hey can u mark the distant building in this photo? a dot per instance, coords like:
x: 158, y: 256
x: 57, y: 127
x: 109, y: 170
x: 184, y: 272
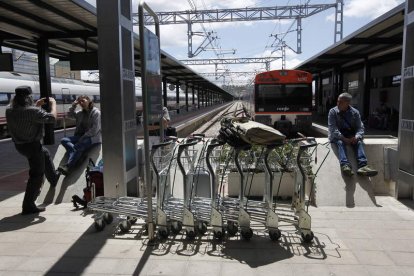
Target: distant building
x: 25, y: 62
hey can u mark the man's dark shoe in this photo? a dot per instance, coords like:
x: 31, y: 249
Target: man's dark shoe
x: 367, y: 171
x: 33, y: 210
x: 63, y: 169
x: 347, y: 170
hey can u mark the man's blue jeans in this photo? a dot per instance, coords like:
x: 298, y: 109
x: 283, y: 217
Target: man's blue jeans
x: 359, y: 152
x: 75, y: 148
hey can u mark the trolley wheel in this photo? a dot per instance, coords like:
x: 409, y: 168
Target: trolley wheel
x: 275, y: 234
x: 308, y: 237
x: 108, y: 218
x: 132, y: 220
x: 176, y: 227
x: 99, y: 225
x: 163, y: 233
x: 247, y: 234
x: 201, y: 228
x: 190, y: 234
x: 125, y: 226
x: 219, y: 235
x: 232, y: 228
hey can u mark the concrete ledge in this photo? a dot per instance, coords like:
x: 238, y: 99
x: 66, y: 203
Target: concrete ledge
x: 332, y: 188
x: 71, y: 184
x: 335, y: 189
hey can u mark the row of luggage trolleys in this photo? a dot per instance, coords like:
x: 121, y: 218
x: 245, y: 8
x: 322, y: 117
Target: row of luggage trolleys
x: 188, y: 177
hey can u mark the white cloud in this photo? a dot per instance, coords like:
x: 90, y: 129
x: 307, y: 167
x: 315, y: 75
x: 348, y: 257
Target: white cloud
x: 366, y: 8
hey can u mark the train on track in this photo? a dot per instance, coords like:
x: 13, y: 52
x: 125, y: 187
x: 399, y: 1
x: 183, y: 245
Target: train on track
x: 283, y: 99
x: 65, y: 91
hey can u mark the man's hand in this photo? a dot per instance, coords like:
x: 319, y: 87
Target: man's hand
x: 43, y: 101
x: 353, y: 140
x: 347, y: 141
x: 40, y: 102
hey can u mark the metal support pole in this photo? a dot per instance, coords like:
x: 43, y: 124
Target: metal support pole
x: 193, y: 92
x: 186, y: 96
x: 299, y: 35
x: 148, y: 182
x: 164, y: 91
x: 367, y: 89
x: 190, y: 40
x: 203, y: 101
x: 198, y: 97
x: 339, y: 19
x: 45, y: 85
x: 177, y: 96
x: 406, y: 119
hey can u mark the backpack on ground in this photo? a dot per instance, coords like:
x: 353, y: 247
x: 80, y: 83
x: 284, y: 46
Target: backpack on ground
x: 94, y: 184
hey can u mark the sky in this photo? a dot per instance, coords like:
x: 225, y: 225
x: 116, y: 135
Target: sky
x: 253, y: 39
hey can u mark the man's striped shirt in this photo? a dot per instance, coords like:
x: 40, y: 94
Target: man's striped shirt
x: 25, y: 124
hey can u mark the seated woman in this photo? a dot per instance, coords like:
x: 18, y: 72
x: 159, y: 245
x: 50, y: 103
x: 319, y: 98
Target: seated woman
x: 87, y: 132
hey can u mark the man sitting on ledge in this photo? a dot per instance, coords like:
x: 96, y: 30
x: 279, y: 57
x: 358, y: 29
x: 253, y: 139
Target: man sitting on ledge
x: 346, y: 128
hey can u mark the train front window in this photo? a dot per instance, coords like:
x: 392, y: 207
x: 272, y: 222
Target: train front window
x: 283, y: 97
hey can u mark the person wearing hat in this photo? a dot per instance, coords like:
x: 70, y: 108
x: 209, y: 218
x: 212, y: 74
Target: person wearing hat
x: 25, y: 123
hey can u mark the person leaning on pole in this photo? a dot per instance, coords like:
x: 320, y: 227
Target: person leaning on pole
x: 25, y: 124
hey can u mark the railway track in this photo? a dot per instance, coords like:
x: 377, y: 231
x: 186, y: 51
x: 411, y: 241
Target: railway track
x: 212, y: 128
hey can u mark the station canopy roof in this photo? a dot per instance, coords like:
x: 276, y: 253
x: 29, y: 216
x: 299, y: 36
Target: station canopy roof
x: 379, y: 40
x: 71, y: 26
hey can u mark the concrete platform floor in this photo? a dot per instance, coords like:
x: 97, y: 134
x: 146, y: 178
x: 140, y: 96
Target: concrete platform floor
x: 348, y: 241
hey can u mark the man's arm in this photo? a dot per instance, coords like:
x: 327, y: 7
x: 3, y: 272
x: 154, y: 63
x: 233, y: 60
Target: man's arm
x: 333, y: 126
x: 360, y: 130
x: 47, y: 117
x: 71, y: 111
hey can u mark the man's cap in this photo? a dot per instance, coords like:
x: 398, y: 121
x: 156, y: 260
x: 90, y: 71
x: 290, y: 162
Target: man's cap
x: 23, y: 91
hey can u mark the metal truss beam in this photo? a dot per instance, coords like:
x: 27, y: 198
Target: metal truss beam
x: 213, y: 61
x: 212, y: 74
x: 240, y: 14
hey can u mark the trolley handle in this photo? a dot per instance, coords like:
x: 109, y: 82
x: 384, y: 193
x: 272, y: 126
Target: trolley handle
x: 198, y: 135
x: 190, y: 141
x: 160, y: 145
x: 301, y: 139
x: 308, y: 143
x: 214, y: 143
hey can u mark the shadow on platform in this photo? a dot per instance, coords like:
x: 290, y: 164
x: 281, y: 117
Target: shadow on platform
x: 71, y: 184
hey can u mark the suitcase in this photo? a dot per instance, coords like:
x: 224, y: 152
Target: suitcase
x: 171, y: 131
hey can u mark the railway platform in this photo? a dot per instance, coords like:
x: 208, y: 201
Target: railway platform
x: 375, y: 239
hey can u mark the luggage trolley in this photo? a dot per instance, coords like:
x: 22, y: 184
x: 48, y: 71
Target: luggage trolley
x: 300, y: 217
x: 174, y: 213
x: 201, y: 191
x: 225, y: 212
x: 253, y: 210
x: 234, y: 209
x: 263, y: 211
x: 130, y: 207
